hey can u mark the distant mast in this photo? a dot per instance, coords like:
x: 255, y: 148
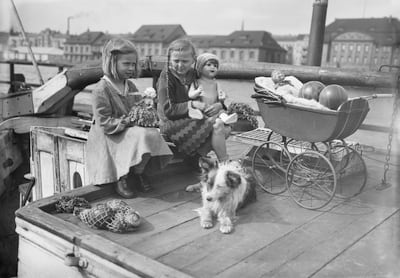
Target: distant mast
x: 317, y: 32
x: 28, y: 44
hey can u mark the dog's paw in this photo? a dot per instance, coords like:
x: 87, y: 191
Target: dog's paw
x: 206, y: 224
x: 226, y: 229
x: 193, y: 187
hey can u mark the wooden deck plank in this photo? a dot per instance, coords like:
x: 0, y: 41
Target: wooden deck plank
x: 161, y: 205
x: 164, y: 213
x: 163, y: 243
x: 272, y: 237
x: 263, y: 223
x: 314, y: 244
x: 161, y: 222
x: 383, y: 248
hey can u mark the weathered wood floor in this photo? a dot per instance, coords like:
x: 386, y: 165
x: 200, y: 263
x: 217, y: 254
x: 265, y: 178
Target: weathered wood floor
x: 273, y: 237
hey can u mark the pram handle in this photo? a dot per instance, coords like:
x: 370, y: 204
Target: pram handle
x: 373, y: 96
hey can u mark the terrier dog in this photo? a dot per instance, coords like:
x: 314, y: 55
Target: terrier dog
x: 226, y: 187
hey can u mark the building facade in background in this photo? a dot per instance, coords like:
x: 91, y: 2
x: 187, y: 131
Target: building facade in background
x: 42, y: 54
x: 362, y: 43
x: 153, y: 40
x: 48, y: 46
x: 84, y: 47
x: 296, y: 47
x: 242, y: 46
x: 4, y: 44
x: 46, y: 38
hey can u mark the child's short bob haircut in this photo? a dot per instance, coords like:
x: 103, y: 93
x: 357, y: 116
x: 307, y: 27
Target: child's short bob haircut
x: 110, y: 53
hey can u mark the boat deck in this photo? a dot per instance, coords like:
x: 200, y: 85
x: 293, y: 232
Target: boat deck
x: 273, y: 237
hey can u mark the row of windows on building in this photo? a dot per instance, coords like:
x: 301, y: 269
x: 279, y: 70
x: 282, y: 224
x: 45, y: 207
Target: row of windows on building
x: 237, y: 54
x: 37, y: 42
x: 149, y: 51
x: 77, y: 49
x: 78, y: 58
x: 359, y: 47
x: 365, y: 60
x: 223, y: 54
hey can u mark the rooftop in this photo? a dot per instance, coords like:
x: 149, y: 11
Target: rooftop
x: 87, y: 37
x: 238, y: 39
x: 384, y: 31
x: 158, y: 33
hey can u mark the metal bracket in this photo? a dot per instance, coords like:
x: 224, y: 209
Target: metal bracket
x: 16, y: 105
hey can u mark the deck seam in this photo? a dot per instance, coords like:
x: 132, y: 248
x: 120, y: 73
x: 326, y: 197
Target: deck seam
x: 171, y: 207
x: 189, y: 242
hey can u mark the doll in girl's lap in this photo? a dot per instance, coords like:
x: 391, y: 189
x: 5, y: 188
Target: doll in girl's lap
x: 206, y: 88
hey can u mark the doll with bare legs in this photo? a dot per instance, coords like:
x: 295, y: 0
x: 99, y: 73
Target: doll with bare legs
x: 206, y: 88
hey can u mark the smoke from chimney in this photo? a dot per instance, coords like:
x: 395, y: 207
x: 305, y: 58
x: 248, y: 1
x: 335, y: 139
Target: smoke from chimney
x: 82, y: 14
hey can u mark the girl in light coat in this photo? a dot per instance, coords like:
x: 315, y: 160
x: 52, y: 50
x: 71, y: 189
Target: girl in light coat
x: 115, y: 146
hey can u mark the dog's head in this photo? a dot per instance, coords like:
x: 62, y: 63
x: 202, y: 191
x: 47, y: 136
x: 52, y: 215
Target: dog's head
x: 219, y: 179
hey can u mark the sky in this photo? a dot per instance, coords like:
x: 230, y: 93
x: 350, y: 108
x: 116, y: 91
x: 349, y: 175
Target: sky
x: 197, y: 17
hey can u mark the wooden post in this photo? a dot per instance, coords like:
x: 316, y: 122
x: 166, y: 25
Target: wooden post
x: 11, y: 75
x: 317, y: 32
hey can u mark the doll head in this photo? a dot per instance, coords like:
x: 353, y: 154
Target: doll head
x: 207, y: 65
x: 181, y: 56
x: 277, y: 76
x: 120, y: 59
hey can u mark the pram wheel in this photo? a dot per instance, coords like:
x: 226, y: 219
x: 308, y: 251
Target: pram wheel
x: 351, y: 171
x: 311, y: 180
x: 269, y: 164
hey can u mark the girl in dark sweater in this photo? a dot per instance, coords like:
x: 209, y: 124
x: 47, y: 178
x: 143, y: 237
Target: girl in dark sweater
x: 191, y: 136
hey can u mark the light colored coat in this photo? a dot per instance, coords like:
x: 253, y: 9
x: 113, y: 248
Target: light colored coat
x: 113, y: 146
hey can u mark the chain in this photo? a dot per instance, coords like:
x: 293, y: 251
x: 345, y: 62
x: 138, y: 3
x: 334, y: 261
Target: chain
x: 384, y: 183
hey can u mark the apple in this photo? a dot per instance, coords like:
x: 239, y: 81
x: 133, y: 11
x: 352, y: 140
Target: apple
x: 332, y: 96
x: 311, y: 90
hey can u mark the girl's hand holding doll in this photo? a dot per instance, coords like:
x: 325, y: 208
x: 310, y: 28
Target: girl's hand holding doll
x: 199, y: 105
x: 193, y: 94
x: 213, y: 109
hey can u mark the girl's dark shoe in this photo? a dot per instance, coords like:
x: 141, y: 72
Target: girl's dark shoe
x: 123, y: 189
x: 142, y: 183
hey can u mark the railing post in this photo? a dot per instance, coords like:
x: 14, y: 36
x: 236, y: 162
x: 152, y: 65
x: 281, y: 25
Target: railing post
x: 11, y: 74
